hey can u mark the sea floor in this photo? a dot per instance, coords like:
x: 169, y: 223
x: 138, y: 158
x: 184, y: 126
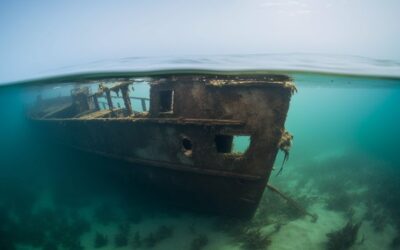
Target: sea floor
x: 77, y: 213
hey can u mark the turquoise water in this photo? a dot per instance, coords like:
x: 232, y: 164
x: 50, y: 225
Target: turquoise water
x: 343, y: 167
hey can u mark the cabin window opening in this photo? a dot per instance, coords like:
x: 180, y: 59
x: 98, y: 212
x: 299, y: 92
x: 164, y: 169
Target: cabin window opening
x: 166, y: 100
x: 223, y: 143
x: 139, y: 95
x: 237, y: 144
x: 102, y: 102
x: 187, y: 146
x: 240, y: 144
x: 117, y: 99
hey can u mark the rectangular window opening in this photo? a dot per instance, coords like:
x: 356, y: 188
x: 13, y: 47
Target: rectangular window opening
x: 241, y: 143
x: 166, y: 100
x: 224, y: 143
x: 139, y: 95
x: 117, y: 100
x: 237, y: 144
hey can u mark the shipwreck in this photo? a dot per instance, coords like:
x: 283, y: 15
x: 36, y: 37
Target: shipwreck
x: 210, y: 140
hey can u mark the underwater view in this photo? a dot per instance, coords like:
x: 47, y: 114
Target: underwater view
x: 337, y: 188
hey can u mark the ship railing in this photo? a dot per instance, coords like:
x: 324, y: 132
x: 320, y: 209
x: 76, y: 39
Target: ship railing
x: 143, y: 101
x: 122, y: 87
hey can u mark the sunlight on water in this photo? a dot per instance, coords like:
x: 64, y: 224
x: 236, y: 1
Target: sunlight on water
x: 343, y: 167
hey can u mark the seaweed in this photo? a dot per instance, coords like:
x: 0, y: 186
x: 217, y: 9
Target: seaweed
x: 340, y: 201
x: 79, y: 226
x: 100, y: 240
x: 150, y: 241
x: 28, y: 233
x: 343, y: 238
x: 137, y: 240
x: 253, y: 239
x: 60, y: 229
x: 68, y: 232
x: 377, y: 216
x: 162, y: 233
x: 246, y: 233
x: 395, y: 244
x: 121, y: 238
x: 199, y: 242
x: 71, y: 242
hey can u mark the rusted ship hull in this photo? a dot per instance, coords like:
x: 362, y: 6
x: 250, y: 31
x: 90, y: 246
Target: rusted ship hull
x: 187, y: 151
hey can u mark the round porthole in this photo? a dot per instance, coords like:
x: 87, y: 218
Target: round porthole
x: 187, y: 146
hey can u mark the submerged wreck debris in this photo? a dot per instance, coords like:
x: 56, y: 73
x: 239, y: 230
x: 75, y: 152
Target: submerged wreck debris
x: 199, y: 242
x: 100, y: 240
x: 284, y: 145
x: 293, y: 203
x: 344, y: 238
x: 183, y: 137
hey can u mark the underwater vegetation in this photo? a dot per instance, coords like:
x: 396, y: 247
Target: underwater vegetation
x: 344, y: 238
x: 395, y: 244
x: 137, y: 240
x: 343, y: 192
x: 151, y: 240
x: 121, y: 238
x: 163, y: 232
x: 246, y: 233
x: 253, y: 239
x: 23, y: 223
x: 273, y: 211
x: 199, y: 242
x: 100, y: 240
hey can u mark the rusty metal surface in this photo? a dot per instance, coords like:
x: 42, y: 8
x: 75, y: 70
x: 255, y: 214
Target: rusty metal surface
x: 202, y: 108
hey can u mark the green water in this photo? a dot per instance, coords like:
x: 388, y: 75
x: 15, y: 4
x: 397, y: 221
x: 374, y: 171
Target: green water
x: 343, y: 167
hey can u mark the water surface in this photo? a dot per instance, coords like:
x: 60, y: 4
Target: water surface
x: 343, y: 166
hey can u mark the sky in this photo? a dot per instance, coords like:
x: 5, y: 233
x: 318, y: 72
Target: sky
x: 41, y: 35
